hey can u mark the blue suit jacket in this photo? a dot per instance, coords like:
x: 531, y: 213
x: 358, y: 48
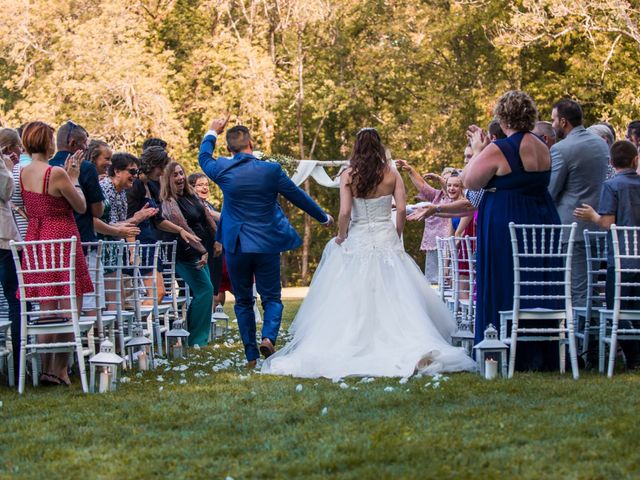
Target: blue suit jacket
x: 250, y: 212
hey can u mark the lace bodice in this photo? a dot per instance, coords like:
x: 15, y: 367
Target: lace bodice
x: 371, y: 210
x: 371, y: 226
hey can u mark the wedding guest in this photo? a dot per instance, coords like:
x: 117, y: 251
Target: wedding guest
x: 620, y: 204
x: 608, y: 136
x: 545, y: 131
x: 184, y: 208
x: 143, y: 194
x: 51, y: 195
x: 633, y: 133
x: 10, y: 147
x: 154, y: 142
x: 495, y: 132
x: 200, y: 184
x: 579, y: 167
x: 99, y: 154
x: 25, y: 159
x: 8, y: 277
x: 433, y: 226
x: 603, y: 132
x: 468, y: 154
x: 514, y: 173
x: 72, y: 138
x: 114, y: 225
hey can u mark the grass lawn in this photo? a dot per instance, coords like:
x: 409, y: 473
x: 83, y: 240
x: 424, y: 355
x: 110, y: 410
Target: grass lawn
x: 213, y: 420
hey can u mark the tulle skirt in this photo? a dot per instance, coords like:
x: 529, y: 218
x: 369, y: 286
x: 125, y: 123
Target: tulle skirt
x: 369, y: 312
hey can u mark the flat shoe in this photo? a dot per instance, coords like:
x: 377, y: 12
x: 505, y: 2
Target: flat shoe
x: 266, y: 348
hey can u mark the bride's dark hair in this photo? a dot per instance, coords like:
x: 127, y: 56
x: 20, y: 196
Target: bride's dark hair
x: 368, y: 162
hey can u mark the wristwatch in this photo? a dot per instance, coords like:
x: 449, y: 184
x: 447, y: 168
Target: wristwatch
x: 438, y: 208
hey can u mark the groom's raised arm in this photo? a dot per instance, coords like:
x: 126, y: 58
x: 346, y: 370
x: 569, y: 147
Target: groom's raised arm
x: 207, y: 163
x: 300, y: 198
x: 207, y: 146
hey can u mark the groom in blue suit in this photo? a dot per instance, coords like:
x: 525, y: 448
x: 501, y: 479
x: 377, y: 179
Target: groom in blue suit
x: 254, y: 230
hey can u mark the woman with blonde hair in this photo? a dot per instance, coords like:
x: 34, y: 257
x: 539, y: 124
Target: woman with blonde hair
x: 515, y: 173
x: 182, y: 207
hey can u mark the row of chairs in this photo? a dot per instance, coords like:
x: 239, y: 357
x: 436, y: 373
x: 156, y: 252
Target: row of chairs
x: 126, y: 295
x: 542, y: 257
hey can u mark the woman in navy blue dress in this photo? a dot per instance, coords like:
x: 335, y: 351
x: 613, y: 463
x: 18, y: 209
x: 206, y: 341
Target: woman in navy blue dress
x: 515, y: 173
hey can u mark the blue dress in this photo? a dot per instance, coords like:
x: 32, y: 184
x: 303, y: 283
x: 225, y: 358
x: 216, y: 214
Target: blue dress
x: 520, y: 197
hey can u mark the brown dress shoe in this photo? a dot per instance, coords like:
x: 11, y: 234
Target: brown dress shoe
x: 251, y: 364
x: 266, y: 348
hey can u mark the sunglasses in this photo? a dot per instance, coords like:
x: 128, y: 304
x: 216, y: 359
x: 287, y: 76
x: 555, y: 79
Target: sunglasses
x: 133, y: 171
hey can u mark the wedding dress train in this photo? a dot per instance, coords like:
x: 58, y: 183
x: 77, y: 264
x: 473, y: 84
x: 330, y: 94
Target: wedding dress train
x: 369, y: 310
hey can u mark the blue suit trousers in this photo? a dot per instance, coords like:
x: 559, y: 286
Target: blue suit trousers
x: 265, y: 268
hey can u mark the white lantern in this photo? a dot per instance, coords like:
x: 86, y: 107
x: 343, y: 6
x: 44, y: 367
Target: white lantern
x: 139, y: 351
x: 463, y: 337
x: 107, y: 364
x: 177, y: 339
x: 217, y: 319
x: 491, y: 354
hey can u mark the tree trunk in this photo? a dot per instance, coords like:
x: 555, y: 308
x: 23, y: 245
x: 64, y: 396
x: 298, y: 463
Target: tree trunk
x: 306, y: 238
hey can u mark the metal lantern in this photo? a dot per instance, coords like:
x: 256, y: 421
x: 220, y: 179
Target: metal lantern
x: 177, y: 340
x: 139, y: 350
x: 491, y: 355
x: 107, y: 364
x: 463, y: 337
x: 216, y: 322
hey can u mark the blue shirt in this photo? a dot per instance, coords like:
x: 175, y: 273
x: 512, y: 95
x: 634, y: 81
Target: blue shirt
x: 90, y: 184
x: 621, y: 197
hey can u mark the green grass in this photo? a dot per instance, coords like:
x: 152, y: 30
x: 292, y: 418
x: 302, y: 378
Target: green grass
x: 224, y: 423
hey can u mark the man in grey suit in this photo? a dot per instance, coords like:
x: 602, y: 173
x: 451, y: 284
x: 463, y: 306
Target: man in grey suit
x: 578, y: 169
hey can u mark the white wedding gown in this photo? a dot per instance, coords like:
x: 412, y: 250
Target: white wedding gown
x: 369, y: 310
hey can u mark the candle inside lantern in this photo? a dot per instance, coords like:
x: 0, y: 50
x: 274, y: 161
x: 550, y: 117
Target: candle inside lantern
x: 490, y: 369
x: 105, y: 381
x: 143, y: 361
x: 177, y: 350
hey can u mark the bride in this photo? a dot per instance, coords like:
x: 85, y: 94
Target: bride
x: 369, y: 310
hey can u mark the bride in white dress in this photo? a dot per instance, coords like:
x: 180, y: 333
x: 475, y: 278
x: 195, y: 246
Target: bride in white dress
x: 369, y: 310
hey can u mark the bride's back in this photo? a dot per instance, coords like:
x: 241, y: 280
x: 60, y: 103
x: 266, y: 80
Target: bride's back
x: 385, y: 187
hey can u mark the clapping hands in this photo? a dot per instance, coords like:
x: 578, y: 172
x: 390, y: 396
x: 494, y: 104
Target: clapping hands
x: 478, y: 139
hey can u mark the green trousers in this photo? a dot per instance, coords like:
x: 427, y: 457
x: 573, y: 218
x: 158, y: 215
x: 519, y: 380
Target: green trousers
x: 199, y: 313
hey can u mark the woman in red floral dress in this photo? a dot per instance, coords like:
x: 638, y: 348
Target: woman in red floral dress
x: 51, y: 194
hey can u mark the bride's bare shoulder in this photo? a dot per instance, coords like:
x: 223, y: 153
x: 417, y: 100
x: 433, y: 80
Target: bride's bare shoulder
x: 346, y: 176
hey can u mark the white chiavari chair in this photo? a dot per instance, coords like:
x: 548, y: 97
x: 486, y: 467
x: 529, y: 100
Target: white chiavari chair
x: 41, y: 257
x: 622, y: 322
x: 542, y: 277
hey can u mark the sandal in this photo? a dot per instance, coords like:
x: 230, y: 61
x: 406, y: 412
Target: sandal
x: 55, y: 382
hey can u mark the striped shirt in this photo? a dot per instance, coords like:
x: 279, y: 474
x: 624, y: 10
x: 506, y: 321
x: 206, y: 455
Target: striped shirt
x: 475, y: 197
x: 18, y: 203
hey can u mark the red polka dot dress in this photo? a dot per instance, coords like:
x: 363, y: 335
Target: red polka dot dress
x: 51, y: 218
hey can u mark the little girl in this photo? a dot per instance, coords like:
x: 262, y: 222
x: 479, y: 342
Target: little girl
x: 434, y: 226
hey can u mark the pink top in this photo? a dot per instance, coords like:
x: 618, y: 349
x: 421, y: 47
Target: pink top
x: 434, y: 226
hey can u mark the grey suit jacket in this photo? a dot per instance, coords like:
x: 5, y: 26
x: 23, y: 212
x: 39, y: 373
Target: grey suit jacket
x: 578, y: 170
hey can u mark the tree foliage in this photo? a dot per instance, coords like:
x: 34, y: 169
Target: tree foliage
x: 306, y: 75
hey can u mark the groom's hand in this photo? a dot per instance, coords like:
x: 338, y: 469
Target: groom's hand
x: 329, y: 223
x: 218, y: 124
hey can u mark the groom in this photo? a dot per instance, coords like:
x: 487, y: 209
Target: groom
x: 253, y: 229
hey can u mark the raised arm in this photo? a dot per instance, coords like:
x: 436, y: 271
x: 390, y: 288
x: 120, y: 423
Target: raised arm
x: 65, y: 181
x: 207, y: 146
